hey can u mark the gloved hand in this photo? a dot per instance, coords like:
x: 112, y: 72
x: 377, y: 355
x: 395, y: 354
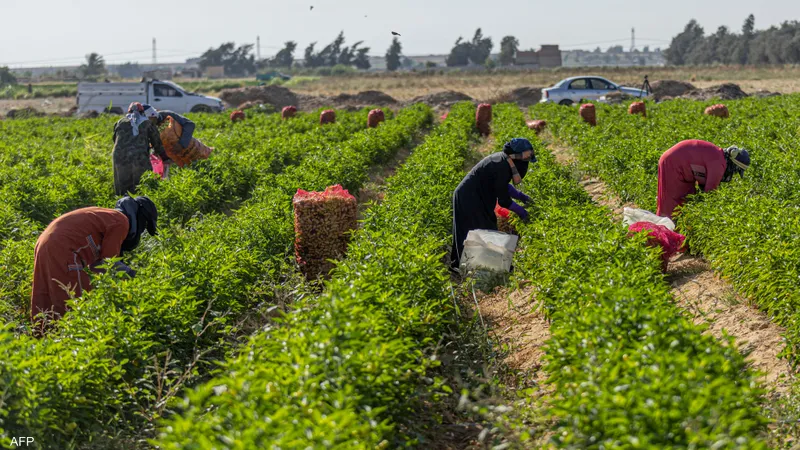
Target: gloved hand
x: 519, y: 195
x: 519, y: 211
x: 120, y: 266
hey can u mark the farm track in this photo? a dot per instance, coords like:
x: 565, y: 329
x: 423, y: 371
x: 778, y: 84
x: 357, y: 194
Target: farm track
x: 707, y: 298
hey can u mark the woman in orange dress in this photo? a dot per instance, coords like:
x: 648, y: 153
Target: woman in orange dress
x: 80, y: 240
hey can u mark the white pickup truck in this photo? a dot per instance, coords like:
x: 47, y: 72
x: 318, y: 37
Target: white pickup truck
x: 115, y: 97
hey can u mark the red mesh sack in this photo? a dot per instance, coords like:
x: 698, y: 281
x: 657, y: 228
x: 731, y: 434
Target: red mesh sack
x: 637, y: 108
x: 375, y: 117
x: 660, y: 236
x: 589, y: 114
x: 444, y: 116
x: 327, y: 116
x: 537, y: 125
x: 288, y: 112
x: 717, y: 111
x: 483, y: 116
x: 170, y: 137
x: 504, y: 220
x: 237, y: 116
x: 323, y: 222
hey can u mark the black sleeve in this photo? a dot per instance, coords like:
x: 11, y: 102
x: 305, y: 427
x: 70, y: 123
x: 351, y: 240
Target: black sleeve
x: 501, y: 180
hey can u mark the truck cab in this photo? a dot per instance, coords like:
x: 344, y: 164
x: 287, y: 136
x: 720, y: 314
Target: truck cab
x: 115, y: 97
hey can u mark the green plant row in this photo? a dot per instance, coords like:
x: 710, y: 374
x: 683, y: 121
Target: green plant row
x: 626, y: 368
x: 41, y: 185
x: 340, y: 370
x: 127, y: 347
x: 747, y: 228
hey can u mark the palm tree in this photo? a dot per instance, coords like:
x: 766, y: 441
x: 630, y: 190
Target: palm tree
x: 95, y: 65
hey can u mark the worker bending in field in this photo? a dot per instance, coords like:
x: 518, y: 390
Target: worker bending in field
x: 161, y: 116
x: 485, y: 186
x: 133, y: 136
x: 80, y: 240
x: 695, y: 161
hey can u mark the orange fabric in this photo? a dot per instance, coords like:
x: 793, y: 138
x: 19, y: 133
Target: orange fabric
x: 170, y: 137
x: 69, y: 244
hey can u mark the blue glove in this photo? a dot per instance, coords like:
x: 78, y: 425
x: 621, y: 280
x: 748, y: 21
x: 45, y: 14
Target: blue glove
x: 518, y: 195
x: 120, y: 266
x: 519, y: 211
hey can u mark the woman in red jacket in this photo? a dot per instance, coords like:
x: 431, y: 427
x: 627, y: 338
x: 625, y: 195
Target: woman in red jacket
x: 84, y: 239
x: 695, y: 162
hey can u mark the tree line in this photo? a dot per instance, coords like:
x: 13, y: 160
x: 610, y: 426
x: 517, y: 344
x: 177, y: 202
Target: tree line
x: 775, y: 45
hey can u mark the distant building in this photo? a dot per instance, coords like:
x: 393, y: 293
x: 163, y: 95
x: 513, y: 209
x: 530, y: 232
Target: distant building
x: 548, y: 56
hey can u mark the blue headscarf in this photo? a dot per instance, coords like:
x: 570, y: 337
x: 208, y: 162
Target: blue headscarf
x: 518, y: 145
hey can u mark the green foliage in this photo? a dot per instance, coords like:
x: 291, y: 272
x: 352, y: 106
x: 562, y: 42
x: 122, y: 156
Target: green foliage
x: 6, y: 77
x: 129, y: 346
x: 746, y: 228
x: 627, y: 369
x: 236, y: 61
x: 393, y: 55
x: 476, y: 51
x: 339, y: 370
x: 776, y: 45
x: 508, y: 50
x: 336, y: 53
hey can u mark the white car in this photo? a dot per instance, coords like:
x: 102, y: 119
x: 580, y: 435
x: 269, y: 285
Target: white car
x: 573, y: 90
x: 115, y: 97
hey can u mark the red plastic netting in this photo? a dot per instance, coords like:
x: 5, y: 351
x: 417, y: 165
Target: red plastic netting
x: 288, y: 112
x: 483, y: 115
x: 504, y: 220
x: 323, y: 222
x: 661, y: 236
x: 589, y: 114
x: 375, y: 117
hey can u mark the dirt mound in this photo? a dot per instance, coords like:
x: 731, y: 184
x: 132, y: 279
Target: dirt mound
x: 376, y: 98
x: 727, y: 91
x: 276, y: 96
x: 445, y: 98
x: 87, y: 115
x: 764, y: 94
x: 670, y: 88
x: 24, y: 113
x: 523, y: 96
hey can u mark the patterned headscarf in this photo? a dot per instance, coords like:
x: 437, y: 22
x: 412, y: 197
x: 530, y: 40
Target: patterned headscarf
x: 136, y: 116
x: 519, y: 149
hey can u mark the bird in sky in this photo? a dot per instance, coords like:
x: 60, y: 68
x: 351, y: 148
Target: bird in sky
x: 311, y: 8
x: 395, y: 33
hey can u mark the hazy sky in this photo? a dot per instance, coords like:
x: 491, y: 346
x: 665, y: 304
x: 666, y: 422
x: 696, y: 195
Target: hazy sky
x: 60, y: 32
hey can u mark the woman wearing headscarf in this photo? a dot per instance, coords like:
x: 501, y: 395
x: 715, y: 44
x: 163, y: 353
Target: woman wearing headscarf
x: 133, y: 136
x: 84, y: 239
x: 485, y: 186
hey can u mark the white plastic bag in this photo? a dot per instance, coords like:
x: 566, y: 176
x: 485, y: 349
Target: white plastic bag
x: 488, y: 250
x: 631, y: 216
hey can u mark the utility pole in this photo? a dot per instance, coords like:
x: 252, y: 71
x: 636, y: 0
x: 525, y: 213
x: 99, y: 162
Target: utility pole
x: 258, y: 48
x: 154, y: 51
x: 633, y: 39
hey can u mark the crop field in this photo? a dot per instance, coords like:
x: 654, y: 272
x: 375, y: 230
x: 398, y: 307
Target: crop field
x: 220, y: 343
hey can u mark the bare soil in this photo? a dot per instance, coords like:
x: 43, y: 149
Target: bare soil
x: 711, y: 300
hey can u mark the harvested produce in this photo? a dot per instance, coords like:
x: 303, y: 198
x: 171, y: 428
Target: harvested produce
x: 670, y: 242
x: 537, y: 125
x: 323, y: 224
x: 638, y: 108
x: 483, y: 116
x: 375, y: 117
x: 288, y: 112
x: 171, y: 136
x: 589, y: 114
x: 717, y: 111
x: 237, y: 115
x: 327, y: 116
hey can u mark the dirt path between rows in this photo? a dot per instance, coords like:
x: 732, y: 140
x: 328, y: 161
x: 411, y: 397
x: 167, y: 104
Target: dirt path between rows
x: 709, y: 299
